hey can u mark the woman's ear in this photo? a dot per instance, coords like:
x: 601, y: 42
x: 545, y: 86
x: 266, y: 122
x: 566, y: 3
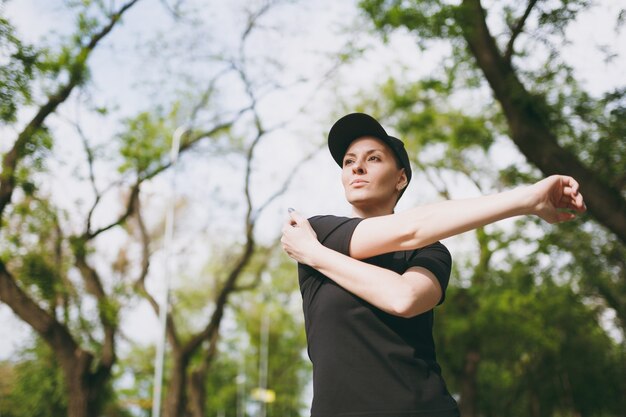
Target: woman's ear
x: 402, y: 181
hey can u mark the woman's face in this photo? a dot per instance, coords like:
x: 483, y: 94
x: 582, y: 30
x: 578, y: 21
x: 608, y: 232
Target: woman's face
x: 370, y: 174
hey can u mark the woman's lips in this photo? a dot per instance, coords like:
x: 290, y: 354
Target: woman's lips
x: 358, y: 183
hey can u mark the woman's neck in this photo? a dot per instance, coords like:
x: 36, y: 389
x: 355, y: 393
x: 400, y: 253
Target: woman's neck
x: 365, y: 212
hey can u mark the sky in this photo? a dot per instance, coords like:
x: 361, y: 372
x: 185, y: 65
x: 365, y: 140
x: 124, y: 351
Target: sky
x: 124, y: 76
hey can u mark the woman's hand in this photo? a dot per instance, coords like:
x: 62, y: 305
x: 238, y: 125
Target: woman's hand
x: 555, y: 194
x: 299, y: 239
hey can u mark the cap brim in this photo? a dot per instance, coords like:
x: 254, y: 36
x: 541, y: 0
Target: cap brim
x: 349, y: 128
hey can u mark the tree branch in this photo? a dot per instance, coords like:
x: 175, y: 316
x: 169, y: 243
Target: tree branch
x: 56, y: 334
x: 258, y: 274
x: 132, y: 200
x: 140, y: 282
x: 134, y: 191
x: 90, y: 164
x: 517, y: 29
x: 288, y: 181
x: 530, y: 130
x: 246, y: 255
x: 13, y: 156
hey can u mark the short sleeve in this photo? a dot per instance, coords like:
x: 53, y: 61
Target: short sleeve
x: 436, y: 258
x: 335, y: 232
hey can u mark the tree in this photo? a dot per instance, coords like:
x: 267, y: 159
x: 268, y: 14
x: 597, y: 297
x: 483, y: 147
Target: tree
x: 34, y: 384
x: 534, y: 116
x: 230, y: 380
x: 556, y: 125
x: 193, y: 351
x: 54, y: 260
x: 276, y: 299
x: 33, y: 284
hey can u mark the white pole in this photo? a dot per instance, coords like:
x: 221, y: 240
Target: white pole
x: 169, y: 271
x: 263, y: 362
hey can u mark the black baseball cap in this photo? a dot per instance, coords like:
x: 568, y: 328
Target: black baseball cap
x: 357, y: 125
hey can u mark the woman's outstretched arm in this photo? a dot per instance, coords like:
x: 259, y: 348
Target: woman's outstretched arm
x: 423, y: 225
x: 417, y: 290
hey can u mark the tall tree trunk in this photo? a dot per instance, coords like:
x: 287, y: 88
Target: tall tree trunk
x: 529, y: 128
x: 534, y: 405
x: 85, y: 386
x: 78, y: 390
x: 197, y: 392
x: 176, y: 398
x: 197, y: 380
x: 469, y: 384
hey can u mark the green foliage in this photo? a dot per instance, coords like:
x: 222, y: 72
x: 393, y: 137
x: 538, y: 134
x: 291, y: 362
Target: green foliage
x: 234, y: 371
x: 594, y: 130
x: 32, y: 247
x: 428, y: 19
x: 440, y: 19
x: 136, y: 366
x: 17, y: 72
x: 28, y: 71
x: 109, y: 309
x: 222, y: 381
x: 535, y: 341
x: 437, y: 132
x: 146, y: 141
x: 288, y: 369
x: 34, y: 386
x: 596, y: 264
x: 39, y: 274
x: 555, y: 16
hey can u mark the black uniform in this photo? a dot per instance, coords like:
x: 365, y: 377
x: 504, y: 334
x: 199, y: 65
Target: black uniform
x: 368, y: 363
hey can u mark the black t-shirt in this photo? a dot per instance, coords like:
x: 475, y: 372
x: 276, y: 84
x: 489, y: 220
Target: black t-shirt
x: 368, y: 363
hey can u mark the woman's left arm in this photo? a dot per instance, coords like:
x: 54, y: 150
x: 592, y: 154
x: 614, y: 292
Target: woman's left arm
x: 415, y: 291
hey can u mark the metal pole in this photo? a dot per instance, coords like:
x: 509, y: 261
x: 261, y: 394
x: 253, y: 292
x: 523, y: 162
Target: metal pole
x: 169, y: 271
x: 263, y: 362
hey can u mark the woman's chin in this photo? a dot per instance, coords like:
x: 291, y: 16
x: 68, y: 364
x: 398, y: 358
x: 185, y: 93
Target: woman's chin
x: 358, y: 199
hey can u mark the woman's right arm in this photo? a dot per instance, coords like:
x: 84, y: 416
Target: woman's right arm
x: 426, y: 224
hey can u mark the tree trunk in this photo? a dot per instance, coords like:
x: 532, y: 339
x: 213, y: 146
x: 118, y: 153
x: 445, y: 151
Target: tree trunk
x: 197, y: 380
x: 469, y: 384
x: 78, y: 393
x: 528, y: 127
x: 197, y: 392
x: 84, y: 387
x: 176, y: 399
x: 534, y: 405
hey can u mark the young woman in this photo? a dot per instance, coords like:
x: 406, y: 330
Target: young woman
x: 370, y: 282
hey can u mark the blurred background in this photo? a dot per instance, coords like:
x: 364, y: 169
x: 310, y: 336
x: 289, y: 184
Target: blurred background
x: 150, y: 149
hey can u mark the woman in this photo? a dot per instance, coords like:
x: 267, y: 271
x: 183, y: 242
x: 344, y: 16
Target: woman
x: 370, y: 282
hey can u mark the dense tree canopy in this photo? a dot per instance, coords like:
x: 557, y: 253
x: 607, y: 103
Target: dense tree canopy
x: 542, y: 121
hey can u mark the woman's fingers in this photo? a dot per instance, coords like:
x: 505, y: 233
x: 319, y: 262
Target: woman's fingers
x: 573, y: 184
x: 562, y: 199
x: 296, y: 218
x: 570, y: 197
x: 580, y: 203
